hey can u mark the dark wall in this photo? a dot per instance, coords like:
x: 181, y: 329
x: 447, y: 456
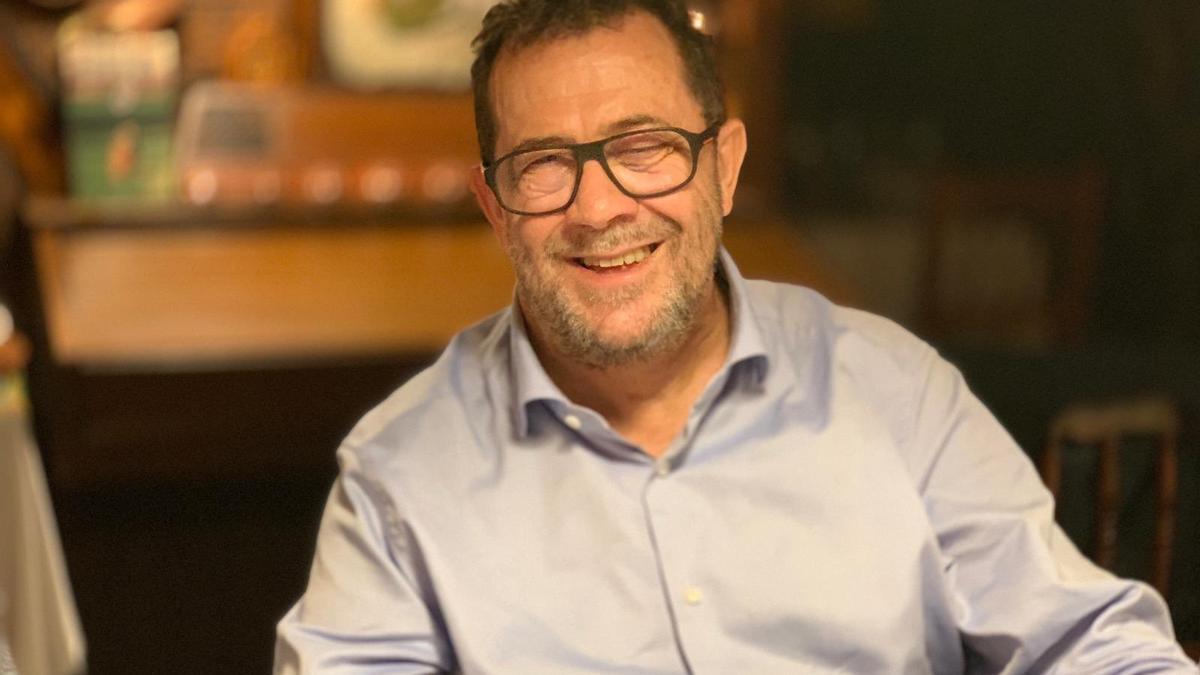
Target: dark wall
x: 1021, y: 85
x: 919, y: 86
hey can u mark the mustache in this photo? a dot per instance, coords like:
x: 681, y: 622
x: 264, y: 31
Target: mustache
x: 577, y: 242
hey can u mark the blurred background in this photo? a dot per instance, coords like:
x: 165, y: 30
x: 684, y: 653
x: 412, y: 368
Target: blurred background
x: 230, y: 227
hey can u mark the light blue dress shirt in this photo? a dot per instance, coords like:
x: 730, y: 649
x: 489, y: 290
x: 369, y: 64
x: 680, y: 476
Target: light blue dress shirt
x: 838, y: 502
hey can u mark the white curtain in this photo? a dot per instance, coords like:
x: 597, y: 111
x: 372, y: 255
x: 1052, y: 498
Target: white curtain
x: 38, y: 618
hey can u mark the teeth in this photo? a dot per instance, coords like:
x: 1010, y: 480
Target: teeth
x: 634, y: 256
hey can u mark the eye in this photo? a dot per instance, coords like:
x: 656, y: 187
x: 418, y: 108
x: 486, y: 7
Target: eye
x: 540, y: 172
x: 642, y: 152
x: 649, y: 150
x: 549, y: 161
x: 542, y: 160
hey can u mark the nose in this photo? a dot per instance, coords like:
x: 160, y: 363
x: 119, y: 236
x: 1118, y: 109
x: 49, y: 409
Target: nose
x: 599, y: 202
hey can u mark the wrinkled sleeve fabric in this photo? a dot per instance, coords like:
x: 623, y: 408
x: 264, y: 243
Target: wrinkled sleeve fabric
x: 1026, y: 600
x: 368, y: 607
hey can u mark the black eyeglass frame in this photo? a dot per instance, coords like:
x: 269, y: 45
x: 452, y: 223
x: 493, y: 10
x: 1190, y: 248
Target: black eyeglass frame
x: 583, y: 152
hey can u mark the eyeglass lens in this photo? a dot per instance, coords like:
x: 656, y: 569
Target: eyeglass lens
x: 643, y: 164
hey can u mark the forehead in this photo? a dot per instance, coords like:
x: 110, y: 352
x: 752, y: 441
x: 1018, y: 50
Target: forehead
x: 578, y: 87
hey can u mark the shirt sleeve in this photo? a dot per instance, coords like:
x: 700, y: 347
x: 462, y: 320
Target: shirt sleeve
x: 1027, y: 600
x: 368, y: 607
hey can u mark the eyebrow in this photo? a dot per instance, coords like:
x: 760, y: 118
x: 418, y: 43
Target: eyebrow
x: 541, y: 142
x: 631, y: 123
x: 626, y: 124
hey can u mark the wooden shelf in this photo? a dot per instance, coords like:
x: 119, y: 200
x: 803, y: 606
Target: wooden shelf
x: 46, y: 212
x: 201, y: 297
x: 186, y: 288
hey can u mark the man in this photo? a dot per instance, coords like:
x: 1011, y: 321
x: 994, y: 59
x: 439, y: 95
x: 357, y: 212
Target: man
x: 651, y: 465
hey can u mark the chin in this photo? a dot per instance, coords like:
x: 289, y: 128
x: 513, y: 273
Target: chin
x: 625, y: 326
x: 636, y: 340
x: 624, y: 342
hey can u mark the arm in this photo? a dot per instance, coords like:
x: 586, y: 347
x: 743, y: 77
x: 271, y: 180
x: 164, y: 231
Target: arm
x: 1028, y: 601
x: 368, y: 607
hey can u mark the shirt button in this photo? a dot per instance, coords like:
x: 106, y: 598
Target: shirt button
x: 573, y: 422
x: 662, y: 467
x: 693, y: 596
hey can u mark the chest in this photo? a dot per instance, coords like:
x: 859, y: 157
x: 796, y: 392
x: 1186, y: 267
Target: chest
x: 758, y: 552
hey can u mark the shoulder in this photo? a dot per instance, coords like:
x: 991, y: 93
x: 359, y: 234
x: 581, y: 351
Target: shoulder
x: 845, y: 338
x: 851, y: 363
x: 438, y: 412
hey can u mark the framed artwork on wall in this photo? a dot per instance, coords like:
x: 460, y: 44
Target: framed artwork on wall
x: 400, y: 44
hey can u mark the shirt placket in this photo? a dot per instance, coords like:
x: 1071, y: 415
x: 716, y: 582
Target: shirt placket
x: 669, y: 519
x: 671, y: 522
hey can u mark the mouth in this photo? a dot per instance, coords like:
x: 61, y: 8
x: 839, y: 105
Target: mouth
x: 617, y: 262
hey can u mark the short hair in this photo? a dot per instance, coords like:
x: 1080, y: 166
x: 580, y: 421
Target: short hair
x: 514, y: 24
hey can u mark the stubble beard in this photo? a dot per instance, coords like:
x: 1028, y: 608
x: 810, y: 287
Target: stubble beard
x: 560, y: 318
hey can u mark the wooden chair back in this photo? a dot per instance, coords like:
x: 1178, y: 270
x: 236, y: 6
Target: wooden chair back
x: 1104, y: 427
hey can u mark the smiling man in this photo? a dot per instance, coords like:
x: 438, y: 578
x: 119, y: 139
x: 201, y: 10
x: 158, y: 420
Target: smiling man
x: 649, y: 464
x: 615, y: 257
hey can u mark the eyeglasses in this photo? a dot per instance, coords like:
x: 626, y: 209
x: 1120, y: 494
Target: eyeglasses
x: 642, y: 164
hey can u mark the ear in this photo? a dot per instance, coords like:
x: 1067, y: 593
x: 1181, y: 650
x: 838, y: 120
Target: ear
x: 731, y: 151
x: 491, y: 208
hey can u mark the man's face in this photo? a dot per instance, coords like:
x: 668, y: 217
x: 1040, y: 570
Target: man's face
x: 570, y: 283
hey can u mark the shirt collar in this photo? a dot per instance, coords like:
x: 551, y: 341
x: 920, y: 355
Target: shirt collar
x: 529, y: 380
x: 746, y: 344
x: 747, y: 351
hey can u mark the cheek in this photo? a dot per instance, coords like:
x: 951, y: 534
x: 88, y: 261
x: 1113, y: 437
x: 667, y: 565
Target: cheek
x: 697, y: 211
x: 532, y: 238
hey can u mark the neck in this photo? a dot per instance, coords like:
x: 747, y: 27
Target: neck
x: 648, y: 401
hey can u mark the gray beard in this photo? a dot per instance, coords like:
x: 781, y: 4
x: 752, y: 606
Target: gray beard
x: 546, y: 307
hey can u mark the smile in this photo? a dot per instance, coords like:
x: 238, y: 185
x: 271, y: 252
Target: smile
x: 626, y: 259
